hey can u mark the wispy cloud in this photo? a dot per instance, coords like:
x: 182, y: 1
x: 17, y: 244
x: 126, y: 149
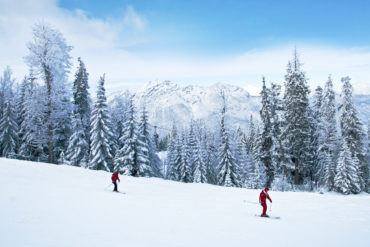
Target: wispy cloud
x: 133, y: 19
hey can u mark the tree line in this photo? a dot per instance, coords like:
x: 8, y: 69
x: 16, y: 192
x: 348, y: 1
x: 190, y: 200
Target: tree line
x: 298, y: 143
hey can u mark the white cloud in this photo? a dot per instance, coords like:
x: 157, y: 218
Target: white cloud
x: 132, y: 19
x: 318, y: 63
x: 101, y: 44
x: 247, y: 69
x: 95, y: 40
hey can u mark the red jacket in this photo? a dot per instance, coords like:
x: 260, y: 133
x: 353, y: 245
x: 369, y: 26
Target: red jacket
x: 115, y: 177
x: 263, y: 196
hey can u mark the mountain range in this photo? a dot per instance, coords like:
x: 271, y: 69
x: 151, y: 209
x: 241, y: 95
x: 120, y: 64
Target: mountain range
x: 168, y: 102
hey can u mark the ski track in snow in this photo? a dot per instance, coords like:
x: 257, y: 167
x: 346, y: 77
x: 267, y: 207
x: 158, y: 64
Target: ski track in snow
x: 51, y: 206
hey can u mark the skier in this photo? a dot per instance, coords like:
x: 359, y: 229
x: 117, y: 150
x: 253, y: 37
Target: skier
x: 263, y: 196
x: 114, y: 180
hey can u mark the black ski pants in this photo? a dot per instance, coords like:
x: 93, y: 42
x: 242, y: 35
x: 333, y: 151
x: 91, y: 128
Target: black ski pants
x: 115, y: 186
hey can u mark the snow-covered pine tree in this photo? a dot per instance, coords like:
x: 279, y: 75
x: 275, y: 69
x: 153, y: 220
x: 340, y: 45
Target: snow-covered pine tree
x: 346, y: 179
x: 351, y: 129
x: 162, y: 142
x: 61, y: 117
x: 81, y: 98
x: 297, y: 127
x: 228, y: 169
x: 118, y: 112
x: 191, y: 145
x: 101, y: 135
x: 278, y: 158
x: 23, y: 90
x: 251, y: 135
x: 209, y: 156
x: 194, y: 158
x: 156, y: 139
x: 49, y: 56
x: 196, y: 161
x: 258, y: 177
x: 34, y: 139
x: 172, y: 156
x: 250, y: 143
x: 177, y: 165
x: 248, y: 171
x: 266, y: 135
x: 318, y: 135
x: 77, y: 153
x: 184, y: 168
x: 154, y: 161
x: 6, y: 89
x: 143, y: 145
x: 239, y: 138
x: 8, y: 132
x: 242, y: 154
x: 329, y: 143
x: 204, y: 150
x: 132, y: 158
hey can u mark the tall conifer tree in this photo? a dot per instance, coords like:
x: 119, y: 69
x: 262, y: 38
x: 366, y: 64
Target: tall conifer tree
x: 278, y: 158
x: 197, y: 163
x: 250, y: 148
x: 351, y: 129
x: 318, y: 135
x: 184, y: 168
x: 258, y: 176
x: 132, y: 158
x: 329, y: 143
x: 77, y: 153
x: 266, y: 135
x: 6, y: 89
x: 172, y: 155
x: 34, y: 128
x: 101, y: 136
x: 228, y: 169
x: 8, y: 132
x: 81, y: 98
x: 347, y: 178
x: 297, y: 131
x: 154, y: 161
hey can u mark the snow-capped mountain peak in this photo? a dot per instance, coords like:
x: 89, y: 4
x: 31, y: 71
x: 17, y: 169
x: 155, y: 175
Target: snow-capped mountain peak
x: 168, y: 102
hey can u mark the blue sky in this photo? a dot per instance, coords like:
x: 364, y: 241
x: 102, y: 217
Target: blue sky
x: 198, y: 42
x: 223, y: 27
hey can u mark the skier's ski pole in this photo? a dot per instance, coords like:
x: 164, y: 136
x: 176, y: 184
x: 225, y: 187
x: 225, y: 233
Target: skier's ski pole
x: 108, y: 186
x: 270, y: 206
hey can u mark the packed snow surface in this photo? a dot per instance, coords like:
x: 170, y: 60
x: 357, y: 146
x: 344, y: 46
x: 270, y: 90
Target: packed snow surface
x: 49, y: 205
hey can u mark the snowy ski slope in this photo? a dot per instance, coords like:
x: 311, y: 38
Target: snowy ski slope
x: 45, y: 205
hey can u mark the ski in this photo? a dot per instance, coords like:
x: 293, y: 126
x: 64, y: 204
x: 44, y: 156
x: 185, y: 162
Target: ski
x: 120, y: 192
x: 270, y: 217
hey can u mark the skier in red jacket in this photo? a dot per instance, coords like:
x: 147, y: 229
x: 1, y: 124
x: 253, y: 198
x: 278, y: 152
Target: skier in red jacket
x: 114, y: 180
x: 263, y: 196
